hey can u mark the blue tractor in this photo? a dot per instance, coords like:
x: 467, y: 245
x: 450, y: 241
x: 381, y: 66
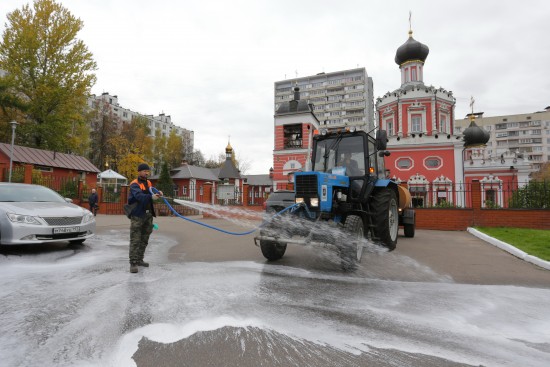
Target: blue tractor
x: 347, y: 191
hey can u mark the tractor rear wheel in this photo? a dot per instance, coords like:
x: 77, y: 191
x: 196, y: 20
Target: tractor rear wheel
x: 352, y: 250
x: 409, y: 230
x: 272, y: 250
x: 384, y: 206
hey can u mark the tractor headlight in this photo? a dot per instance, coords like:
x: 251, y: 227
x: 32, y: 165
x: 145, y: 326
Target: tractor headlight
x: 299, y: 200
x: 314, y: 202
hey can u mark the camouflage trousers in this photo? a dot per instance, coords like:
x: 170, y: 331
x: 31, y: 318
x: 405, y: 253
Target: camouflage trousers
x: 140, y: 230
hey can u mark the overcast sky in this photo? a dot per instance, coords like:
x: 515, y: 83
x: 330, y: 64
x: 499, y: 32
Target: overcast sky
x: 211, y: 65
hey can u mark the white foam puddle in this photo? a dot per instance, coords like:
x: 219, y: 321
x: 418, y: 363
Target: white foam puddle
x: 83, y: 308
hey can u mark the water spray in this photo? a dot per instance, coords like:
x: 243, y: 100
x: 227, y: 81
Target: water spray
x: 264, y: 222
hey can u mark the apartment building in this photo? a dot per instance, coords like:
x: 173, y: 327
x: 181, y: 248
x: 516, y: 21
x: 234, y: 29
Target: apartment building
x: 162, y: 122
x: 338, y: 98
x: 526, y: 135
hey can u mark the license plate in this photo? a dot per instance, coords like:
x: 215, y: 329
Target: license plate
x: 66, y: 230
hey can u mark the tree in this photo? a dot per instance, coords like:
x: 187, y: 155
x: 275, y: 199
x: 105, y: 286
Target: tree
x: 159, y: 150
x: 215, y: 163
x: 127, y: 165
x: 198, y: 159
x: 543, y: 174
x: 165, y: 183
x: 174, y: 149
x: 12, y: 107
x: 52, y: 71
x: 103, y: 124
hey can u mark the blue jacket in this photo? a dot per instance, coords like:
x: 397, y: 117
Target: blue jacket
x: 140, y: 193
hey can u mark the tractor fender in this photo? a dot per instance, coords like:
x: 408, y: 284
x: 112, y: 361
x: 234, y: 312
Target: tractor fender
x: 383, y: 183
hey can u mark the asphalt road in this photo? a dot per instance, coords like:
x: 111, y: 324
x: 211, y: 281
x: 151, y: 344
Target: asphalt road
x: 432, y: 261
x: 456, y: 255
x: 211, y: 299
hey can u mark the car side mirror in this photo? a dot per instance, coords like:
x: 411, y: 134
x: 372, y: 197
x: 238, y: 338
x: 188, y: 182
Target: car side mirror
x: 69, y: 200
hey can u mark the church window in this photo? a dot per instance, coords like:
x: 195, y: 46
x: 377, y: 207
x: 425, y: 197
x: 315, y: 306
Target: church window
x: 432, y: 162
x: 293, y: 136
x: 404, y: 163
x: 443, y: 123
x: 416, y: 123
x: 389, y: 127
x: 413, y: 75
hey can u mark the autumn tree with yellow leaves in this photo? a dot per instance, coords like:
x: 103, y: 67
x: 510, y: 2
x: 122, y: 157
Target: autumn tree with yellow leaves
x: 52, y: 71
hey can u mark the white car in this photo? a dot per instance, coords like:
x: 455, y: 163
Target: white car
x: 32, y: 214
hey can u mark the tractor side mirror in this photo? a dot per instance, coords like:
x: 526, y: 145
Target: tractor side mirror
x: 381, y: 140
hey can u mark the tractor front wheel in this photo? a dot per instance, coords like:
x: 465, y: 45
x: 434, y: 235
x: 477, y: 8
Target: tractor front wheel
x: 386, y: 220
x: 352, y: 250
x: 272, y: 250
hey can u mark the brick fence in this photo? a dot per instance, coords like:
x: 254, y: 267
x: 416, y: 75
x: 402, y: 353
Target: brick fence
x: 459, y: 219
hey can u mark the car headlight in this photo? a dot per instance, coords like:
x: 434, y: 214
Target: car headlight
x: 25, y: 219
x: 88, y: 217
x: 314, y: 202
x: 299, y: 200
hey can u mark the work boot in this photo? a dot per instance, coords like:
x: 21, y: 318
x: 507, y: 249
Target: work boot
x: 133, y: 268
x: 143, y: 263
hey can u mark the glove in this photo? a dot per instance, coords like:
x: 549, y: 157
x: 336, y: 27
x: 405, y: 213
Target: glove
x: 155, y: 196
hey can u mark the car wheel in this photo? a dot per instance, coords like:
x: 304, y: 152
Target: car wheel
x: 272, y: 250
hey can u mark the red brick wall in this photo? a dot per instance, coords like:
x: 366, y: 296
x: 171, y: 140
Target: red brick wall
x: 460, y: 219
x: 444, y: 219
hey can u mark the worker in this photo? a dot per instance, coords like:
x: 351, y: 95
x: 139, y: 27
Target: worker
x: 141, y: 217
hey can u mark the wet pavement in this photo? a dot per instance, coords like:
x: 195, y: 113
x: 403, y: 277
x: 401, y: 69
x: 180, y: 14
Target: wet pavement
x: 210, y: 299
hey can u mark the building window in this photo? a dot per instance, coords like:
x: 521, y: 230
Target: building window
x: 404, y: 164
x: 443, y: 123
x: 292, y: 136
x: 432, y: 162
x: 413, y: 74
x: 389, y: 127
x: 43, y: 168
x: 416, y: 123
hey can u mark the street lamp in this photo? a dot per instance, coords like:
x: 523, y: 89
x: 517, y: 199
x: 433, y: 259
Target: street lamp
x: 13, y: 125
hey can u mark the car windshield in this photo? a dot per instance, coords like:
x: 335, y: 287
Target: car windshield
x: 23, y: 193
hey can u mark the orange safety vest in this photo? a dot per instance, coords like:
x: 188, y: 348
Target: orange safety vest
x: 141, y: 185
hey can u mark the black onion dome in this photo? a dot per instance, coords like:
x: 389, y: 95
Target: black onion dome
x: 411, y: 50
x: 474, y: 135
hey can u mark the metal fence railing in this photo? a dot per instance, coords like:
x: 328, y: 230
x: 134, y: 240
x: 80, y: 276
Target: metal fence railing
x: 494, y: 194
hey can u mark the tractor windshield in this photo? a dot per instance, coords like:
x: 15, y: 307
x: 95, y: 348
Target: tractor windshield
x: 340, y: 155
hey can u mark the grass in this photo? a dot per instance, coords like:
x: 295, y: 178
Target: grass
x: 535, y: 242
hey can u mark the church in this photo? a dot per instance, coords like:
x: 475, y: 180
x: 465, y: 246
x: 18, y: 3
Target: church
x: 435, y: 160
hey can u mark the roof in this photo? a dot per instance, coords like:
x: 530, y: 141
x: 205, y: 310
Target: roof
x: 111, y: 174
x: 258, y: 180
x: 48, y: 158
x: 190, y: 171
x: 228, y: 170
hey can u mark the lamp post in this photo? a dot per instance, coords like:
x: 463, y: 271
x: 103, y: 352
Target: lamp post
x: 13, y: 125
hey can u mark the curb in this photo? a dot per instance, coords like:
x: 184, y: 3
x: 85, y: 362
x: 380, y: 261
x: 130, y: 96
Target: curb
x: 510, y: 249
